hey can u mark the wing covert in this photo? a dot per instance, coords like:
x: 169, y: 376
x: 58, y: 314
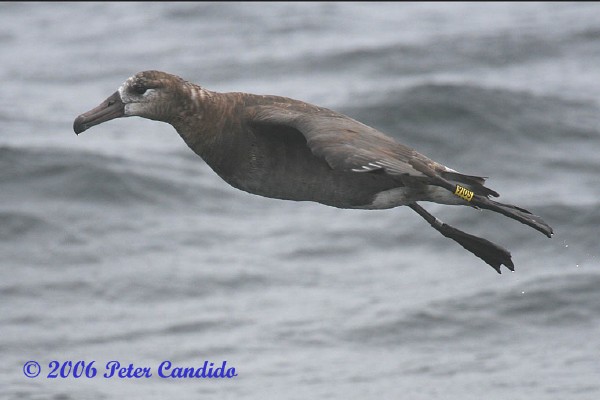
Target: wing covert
x: 343, y: 142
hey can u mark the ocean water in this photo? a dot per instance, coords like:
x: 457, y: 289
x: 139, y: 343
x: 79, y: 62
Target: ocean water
x: 122, y: 245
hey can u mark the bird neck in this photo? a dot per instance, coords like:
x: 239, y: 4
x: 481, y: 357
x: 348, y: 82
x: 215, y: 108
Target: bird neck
x: 205, y: 124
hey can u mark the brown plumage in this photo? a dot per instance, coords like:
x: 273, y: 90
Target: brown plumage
x: 287, y: 149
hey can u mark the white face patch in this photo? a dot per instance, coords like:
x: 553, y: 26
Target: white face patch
x: 128, y: 109
x: 133, y: 109
x: 134, y: 104
x: 122, y: 93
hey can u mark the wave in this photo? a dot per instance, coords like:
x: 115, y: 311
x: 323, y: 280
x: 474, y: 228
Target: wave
x: 554, y: 302
x: 16, y: 225
x: 493, y: 132
x: 459, y: 110
x: 76, y: 176
x: 451, y: 53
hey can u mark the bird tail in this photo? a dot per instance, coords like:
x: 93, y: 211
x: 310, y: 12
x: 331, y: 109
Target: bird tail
x: 475, y: 183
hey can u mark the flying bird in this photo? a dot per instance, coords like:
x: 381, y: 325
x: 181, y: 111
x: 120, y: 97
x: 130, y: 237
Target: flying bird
x: 287, y: 149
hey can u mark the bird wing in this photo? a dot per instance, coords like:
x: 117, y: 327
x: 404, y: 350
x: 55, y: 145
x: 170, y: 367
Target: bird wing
x: 343, y: 142
x: 348, y: 145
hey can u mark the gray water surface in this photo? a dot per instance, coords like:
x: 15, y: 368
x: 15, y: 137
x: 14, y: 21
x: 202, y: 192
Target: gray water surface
x: 121, y: 244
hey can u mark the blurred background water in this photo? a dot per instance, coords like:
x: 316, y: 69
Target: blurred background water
x: 121, y: 244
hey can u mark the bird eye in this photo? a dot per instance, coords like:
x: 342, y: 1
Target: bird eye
x: 139, y: 89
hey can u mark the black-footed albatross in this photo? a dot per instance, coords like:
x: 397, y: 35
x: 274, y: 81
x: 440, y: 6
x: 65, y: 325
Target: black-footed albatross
x: 287, y: 149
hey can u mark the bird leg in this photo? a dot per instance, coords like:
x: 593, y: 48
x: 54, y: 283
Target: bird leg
x: 492, y: 254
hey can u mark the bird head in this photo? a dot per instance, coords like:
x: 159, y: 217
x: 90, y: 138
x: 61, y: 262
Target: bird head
x: 147, y: 94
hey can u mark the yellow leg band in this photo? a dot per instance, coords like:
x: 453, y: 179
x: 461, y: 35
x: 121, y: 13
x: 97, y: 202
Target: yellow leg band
x: 464, y: 193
